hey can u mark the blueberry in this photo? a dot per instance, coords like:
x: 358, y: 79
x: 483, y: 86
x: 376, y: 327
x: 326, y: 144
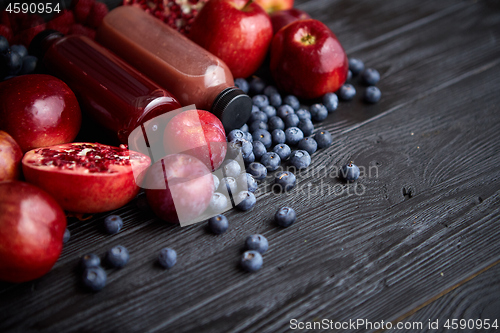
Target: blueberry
x: 349, y: 75
x: 218, y: 202
x: 306, y: 126
x: 275, y: 100
x: 246, y: 182
x: 258, y: 125
x: 257, y: 116
x: 278, y: 136
x: 270, y: 111
x: 216, y: 181
x: 248, y: 136
x: 117, y: 256
x: 308, y: 144
x: 285, y: 216
x: 94, y: 278
x: 262, y: 136
x: 303, y: 114
x: 258, y: 150
x: 218, y: 224
x: 4, y: 45
x: 256, y: 86
x: 372, y: 94
x: 260, y: 100
x: 356, y: 66
x: 283, y: 151
x: 323, y: 139
x: 347, y: 92
x: 269, y: 90
x: 231, y: 168
x: 292, y: 101
x: 271, y: 161
x: 300, y: 159
x: 251, y: 261
x: 20, y: 49
x: 167, y: 258
x: 293, y: 135
x: 276, y: 123
x: 257, y: 243
x: 350, y: 172
x: 255, y: 108
x: 239, y: 146
x: 318, y: 112
x: 292, y: 120
x: 257, y: 170
x: 370, y: 76
x: 67, y: 236
x: 286, y: 180
x: 113, y: 224
x: 330, y: 101
x: 13, y: 62
x: 245, y: 200
x: 284, y: 111
x: 249, y: 158
x: 242, y: 84
x: 235, y: 134
x: 88, y: 261
x: 244, y: 128
x: 228, y: 184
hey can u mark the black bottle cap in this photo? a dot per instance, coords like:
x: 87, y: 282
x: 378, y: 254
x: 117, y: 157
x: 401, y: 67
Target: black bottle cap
x: 233, y: 107
x: 42, y: 41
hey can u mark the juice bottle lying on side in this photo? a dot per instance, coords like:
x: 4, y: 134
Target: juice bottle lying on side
x: 177, y: 64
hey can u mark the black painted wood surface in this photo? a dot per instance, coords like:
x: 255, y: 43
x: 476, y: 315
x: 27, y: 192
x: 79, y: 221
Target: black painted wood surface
x: 409, y: 247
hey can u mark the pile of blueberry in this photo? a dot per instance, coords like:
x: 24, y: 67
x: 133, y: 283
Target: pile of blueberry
x: 368, y: 77
x: 14, y: 60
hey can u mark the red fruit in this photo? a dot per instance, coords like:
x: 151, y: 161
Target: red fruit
x: 32, y: 226
x: 62, y: 22
x: 38, y: 111
x: 271, y: 6
x: 237, y: 31
x: 6, y: 32
x: 86, y: 177
x: 82, y: 8
x: 10, y: 157
x: 198, y: 133
x: 26, y: 36
x: 282, y: 18
x: 78, y: 29
x: 97, y: 13
x: 17, y: 21
x: 307, y: 60
x: 32, y: 21
x: 4, y: 18
x: 179, y: 188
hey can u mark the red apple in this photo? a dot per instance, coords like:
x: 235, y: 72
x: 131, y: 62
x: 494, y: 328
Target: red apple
x: 307, y: 60
x: 198, y: 133
x: 32, y: 226
x: 282, y: 18
x: 179, y: 188
x: 271, y: 6
x: 10, y: 157
x: 38, y: 111
x: 237, y: 31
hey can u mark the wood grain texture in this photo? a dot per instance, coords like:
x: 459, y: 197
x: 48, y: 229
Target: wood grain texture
x: 428, y: 220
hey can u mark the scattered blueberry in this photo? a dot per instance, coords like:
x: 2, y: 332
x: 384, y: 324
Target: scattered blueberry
x: 262, y: 136
x: 113, y: 224
x: 20, y: 49
x: 347, y: 92
x: 271, y: 161
x: 218, y: 224
x: 278, y: 136
x: 239, y: 146
x: 270, y: 111
x: 4, y: 45
x: 255, y: 108
x: 13, y: 62
x: 276, y: 122
x: 117, y: 256
x: 258, y: 149
x: 372, y: 94
x: 370, y: 76
x: 94, y: 278
x: 258, y: 125
x: 256, y: 86
x: 293, y: 135
x: 247, y: 159
x: 323, y: 139
x: 245, y: 200
x: 243, y: 128
x: 235, y: 134
x: 356, y: 66
x: 248, y: 136
x: 246, y: 182
x: 88, y: 261
x: 251, y: 261
x: 286, y: 180
x: 318, y: 112
x: 242, y: 84
x: 216, y: 181
x: 350, y: 172
x: 231, y: 168
x: 67, y: 236
x: 300, y: 159
x: 269, y: 90
x: 167, y: 258
x: 260, y: 100
x: 257, y: 170
x: 283, y: 150
x: 275, y: 100
x: 228, y: 184
x: 292, y: 101
x: 331, y: 102
x: 257, y: 116
x: 349, y: 75
x: 308, y: 144
x: 303, y: 114
x: 257, y: 243
x: 284, y: 110
x: 306, y: 126
x: 218, y: 202
x: 285, y: 216
x: 292, y: 120
x: 29, y: 64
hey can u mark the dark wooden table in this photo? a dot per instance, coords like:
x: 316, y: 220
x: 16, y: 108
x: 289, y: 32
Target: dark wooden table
x: 420, y: 242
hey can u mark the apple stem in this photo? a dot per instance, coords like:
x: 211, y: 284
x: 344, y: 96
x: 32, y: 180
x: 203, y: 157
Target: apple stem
x: 308, y: 39
x: 249, y: 2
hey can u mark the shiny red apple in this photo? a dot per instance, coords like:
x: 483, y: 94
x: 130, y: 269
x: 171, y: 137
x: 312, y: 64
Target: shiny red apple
x: 282, y: 18
x: 271, y: 6
x: 237, y: 31
x: 38, y: 111
x: 307, y: 60
x: 10, y: 157
x: 32, y: 226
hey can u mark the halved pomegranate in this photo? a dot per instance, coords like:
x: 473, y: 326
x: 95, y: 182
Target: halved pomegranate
x: 86, y: 177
